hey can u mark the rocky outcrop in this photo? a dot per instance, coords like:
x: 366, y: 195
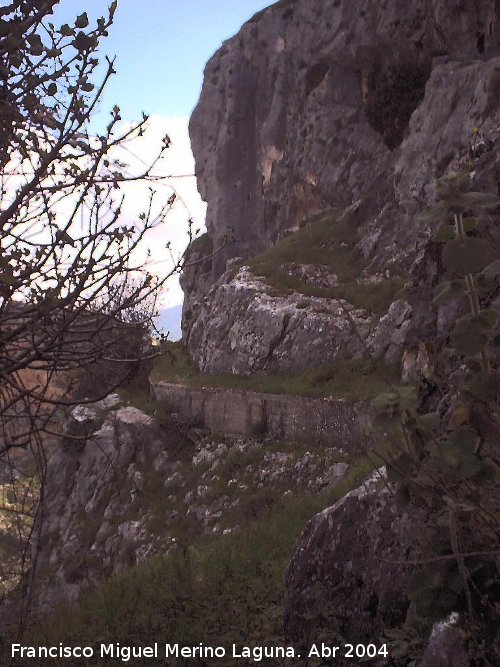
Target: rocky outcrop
x: 310, y: 105
x: 317, y: 105
x: 241, y: 328
x: 125, y: 486
x: 89, y: 524
x: 339, y: 585
x: 446, y: 645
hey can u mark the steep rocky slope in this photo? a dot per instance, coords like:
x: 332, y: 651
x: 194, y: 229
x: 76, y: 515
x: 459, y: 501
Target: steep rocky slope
x: 137, y: 485
x: 322, y: 109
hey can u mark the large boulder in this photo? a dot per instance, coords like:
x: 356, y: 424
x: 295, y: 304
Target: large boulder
x: 341, y: 584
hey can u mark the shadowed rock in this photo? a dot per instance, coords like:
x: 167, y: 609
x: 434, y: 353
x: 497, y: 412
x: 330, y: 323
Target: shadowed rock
x: 339, y: 586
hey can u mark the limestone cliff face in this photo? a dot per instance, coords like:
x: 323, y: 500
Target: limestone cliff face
x: 317, y: 106
x: 91, y: 523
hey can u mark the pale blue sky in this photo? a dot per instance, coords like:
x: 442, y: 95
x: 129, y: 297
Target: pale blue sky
x: 162, y: 47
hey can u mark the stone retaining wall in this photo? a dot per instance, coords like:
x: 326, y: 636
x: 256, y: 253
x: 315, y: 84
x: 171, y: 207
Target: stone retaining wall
x: 327, y: 421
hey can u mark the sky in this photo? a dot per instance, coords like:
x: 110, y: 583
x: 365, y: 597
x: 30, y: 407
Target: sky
x: 161, y: 48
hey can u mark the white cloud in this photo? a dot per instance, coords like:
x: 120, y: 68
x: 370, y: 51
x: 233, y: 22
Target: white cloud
x: 177, y: 171
x: 178, y: 165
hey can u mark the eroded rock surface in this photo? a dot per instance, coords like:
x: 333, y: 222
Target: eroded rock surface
x: 311, y: 104
x: 85, y: 531
x: 338, y: 585
x: 242, y: 328
x: 131, y: 486
x: 314, y: 106
x: 446, y: 645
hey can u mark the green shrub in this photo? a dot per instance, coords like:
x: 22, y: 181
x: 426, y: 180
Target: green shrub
x: 451, y: 467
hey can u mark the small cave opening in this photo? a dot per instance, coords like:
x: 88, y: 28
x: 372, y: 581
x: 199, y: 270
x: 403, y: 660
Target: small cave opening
x: 316, y: 75
x: 392, y: 95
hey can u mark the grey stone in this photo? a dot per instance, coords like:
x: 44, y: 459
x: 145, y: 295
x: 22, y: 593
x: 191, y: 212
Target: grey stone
x: 133, y: 417
x: 174, y: 482
x: 336, y: 472
x: 138, y: 478
x: 83, y: 414
x: 203, y: 456
x: 338, y: 581
x: 162, y: 463
x: 390, y: 335
x: 107, y: 403
x: 333, y: 105
x: 446, y: 647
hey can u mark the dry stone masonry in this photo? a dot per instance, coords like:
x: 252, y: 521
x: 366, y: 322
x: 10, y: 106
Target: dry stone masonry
x: 323, y: 422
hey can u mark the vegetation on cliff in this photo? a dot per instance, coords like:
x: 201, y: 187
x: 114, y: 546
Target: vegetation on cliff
x: 215, y: 590
x: 351, y: 379
x: 332, y: 241
x: 448, y: 461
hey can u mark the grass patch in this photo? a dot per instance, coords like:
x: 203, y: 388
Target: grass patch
x: 202, y: 244
x: 330, y: 241
x: 352, y: 379
x: 138, y: 398
x: 225, y: 589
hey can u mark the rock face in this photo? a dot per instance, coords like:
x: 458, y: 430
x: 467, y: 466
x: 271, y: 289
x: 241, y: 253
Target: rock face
x: 310, y: 105
x: 128, y: 486
x: 317, y: 105
x: 338, y: 586
x: 446, y: 645
x: 88, y: 526
x: 241, y: 329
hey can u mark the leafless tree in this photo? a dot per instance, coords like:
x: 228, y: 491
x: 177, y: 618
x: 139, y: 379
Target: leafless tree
x: 71, y: 291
